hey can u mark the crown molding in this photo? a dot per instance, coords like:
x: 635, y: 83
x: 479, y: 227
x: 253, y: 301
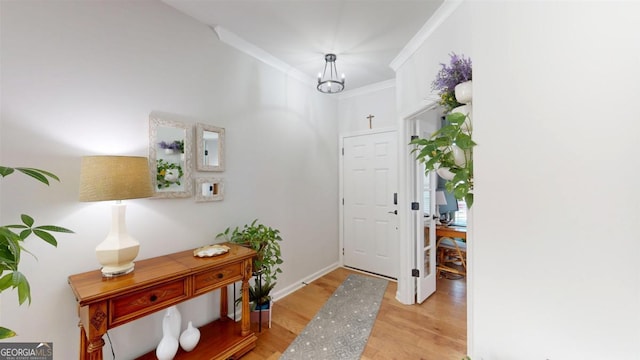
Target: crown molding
x: 367, y: 89
x: 248, y: 48
x: 438, y: 17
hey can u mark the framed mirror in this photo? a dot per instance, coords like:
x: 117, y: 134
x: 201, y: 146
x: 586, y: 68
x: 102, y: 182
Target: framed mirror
x: 170, y: 145
x: 210, y: 148
x: 209, y: 189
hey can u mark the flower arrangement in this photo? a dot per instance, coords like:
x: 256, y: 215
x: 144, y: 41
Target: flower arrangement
x: 164, y: 167
x: 175, y: 145
x: 458, y: 71
x: 450, y: 149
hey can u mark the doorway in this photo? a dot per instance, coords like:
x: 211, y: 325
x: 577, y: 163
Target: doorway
x: 369, y: 202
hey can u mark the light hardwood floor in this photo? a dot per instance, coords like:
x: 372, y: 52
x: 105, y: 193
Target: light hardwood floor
x: 435, y: 329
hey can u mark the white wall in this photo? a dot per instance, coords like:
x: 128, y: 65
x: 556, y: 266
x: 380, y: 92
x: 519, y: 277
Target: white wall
x: 558, y: 277
x: 356, y: 105
x: 81, y: 78
x: 553, y: 246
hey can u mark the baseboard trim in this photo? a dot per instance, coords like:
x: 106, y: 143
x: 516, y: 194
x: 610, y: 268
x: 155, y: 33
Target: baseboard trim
x: 304, y: 281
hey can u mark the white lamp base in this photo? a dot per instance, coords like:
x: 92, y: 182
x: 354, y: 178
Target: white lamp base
x: 116, y: 262
x: 117, y: 252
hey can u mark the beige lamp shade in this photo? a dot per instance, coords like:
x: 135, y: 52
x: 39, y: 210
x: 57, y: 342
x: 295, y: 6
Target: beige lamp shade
x: 114, y: 178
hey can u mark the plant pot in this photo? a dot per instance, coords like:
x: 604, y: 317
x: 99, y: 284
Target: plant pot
x: 466, y: 110
x: 460, y: 156
x: 261, y: 313
x: 464, y: 92
x: 172, y: 175
x: 445, y: 173
x: 169, y: 151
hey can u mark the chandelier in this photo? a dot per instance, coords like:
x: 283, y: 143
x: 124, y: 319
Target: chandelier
x: 328, y: 81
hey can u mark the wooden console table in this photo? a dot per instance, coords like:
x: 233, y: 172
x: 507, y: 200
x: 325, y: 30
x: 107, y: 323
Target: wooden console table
x: 157, y: 283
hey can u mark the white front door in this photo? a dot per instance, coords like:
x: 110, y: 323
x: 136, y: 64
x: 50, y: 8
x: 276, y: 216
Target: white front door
x: 370, y: 225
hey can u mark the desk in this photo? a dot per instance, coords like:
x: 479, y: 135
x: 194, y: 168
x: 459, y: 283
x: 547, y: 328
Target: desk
x: 160, y: 282
x: 451, y: 232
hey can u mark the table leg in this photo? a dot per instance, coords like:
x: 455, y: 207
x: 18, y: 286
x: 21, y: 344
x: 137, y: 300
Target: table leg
x: 224, y: 306
x: 246, y: 315
x: 83, y: 343
x: 90, y: 350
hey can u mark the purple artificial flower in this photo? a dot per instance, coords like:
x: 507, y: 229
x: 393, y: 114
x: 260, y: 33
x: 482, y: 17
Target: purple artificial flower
x: 175, y: 145
x: 448, y: 77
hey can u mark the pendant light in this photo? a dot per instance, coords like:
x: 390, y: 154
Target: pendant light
x: 328, y: 81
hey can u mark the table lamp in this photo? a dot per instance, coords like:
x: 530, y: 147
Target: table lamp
x: 115, y: 178
x: 440, y: 200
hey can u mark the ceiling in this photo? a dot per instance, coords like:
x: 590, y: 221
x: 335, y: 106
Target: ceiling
x: 366, y: 35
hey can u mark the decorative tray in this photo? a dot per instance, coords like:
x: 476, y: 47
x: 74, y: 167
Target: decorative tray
x: 211, y: 250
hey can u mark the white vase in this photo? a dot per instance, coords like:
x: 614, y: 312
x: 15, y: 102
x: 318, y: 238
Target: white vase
x: 189, y: 338
x: 171, y: 175
x: 466, y: 110
x: 459, y: 156
x: 168, y: 346
x: 169, y: 151
x: 445, y: 173
x: 464, y: 92
x: 175, y: 321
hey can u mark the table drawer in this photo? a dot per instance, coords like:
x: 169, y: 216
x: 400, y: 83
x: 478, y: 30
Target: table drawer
x: 207, y: 280
x: 140, y: 303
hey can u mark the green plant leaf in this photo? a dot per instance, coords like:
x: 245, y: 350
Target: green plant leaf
x: 27, y: 220
x: 456, y: 118
x: 54, y: 228
x: 464, y: 141
x: 6, y: 171
x: 6, y: 281
x: 25, y: 234
x: 46, y: 237
x: 468, y: 198
x: 6, y: 333
x: 34, y: 173
x: 24, y: 290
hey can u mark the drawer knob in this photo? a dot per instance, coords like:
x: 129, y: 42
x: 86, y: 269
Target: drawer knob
x: 220, y: 276
x: 153, y: 297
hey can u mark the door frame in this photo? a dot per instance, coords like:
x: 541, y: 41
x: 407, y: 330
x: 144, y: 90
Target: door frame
x: 406, y: 283
x: 341, y: 184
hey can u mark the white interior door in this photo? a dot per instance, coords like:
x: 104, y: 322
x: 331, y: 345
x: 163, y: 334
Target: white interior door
x: 424, y: 193
x: 370, y: 225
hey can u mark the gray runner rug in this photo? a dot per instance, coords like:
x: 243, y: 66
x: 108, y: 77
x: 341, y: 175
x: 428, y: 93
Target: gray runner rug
x: 340, y: 329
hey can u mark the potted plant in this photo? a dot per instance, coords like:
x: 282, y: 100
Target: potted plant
x: 449, y: 150
x: 11, y: 244
x: 170, y: 148
x: 168, y: 173
x: 260, y: 302
x: 265, y: 241
x: 457, y: 72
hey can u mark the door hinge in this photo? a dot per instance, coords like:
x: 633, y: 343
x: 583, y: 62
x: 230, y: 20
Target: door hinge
x: 413, y: 137
x: 415, y: 206
x: 342, y: 151
x: 415, y: 272
x: 395, y: 198
x: 342, y: 201
x: 342, y: 251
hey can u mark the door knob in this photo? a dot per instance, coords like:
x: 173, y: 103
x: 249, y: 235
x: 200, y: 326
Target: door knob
x: 395, y: 212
